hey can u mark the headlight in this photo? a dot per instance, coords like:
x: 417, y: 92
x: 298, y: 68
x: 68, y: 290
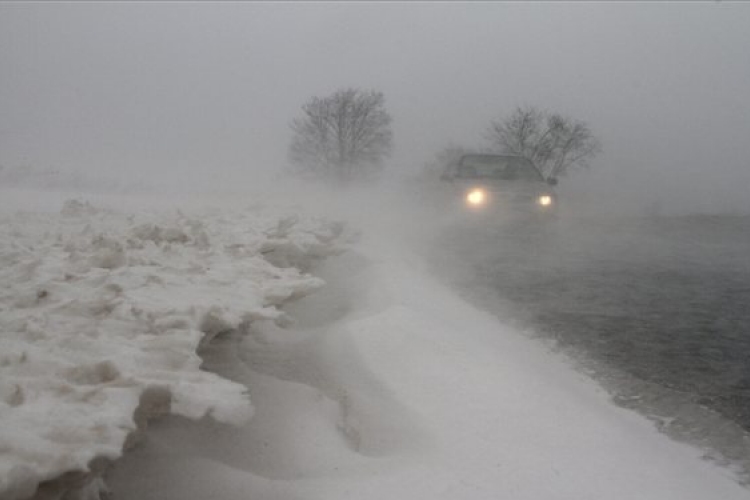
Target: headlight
x: 545, y: 200
x: 476, y: 197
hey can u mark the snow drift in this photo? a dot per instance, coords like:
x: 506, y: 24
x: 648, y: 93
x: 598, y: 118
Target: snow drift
x: 384, y: 383
x: 102, y: 314
x: 389, y: 385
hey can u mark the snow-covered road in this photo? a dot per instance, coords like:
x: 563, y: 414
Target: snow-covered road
x: 387, y: 384
x: 391, y: 386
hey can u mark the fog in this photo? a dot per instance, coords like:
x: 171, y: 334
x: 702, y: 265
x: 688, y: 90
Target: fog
x: 178, y: 115
x: 201, y: 95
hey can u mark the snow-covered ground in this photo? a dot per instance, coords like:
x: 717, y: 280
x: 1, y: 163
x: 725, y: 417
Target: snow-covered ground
x: 383, y: 383
x: 102, y: 313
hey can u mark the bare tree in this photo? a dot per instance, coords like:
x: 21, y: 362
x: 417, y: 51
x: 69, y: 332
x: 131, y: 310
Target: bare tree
x: 343, y: 136
x: 555, y: 143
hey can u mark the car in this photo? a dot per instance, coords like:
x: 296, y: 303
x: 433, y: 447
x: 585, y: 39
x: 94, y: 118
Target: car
x: 500, y: 185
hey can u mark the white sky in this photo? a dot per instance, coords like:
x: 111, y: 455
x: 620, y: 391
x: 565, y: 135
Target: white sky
x: 206, y: 91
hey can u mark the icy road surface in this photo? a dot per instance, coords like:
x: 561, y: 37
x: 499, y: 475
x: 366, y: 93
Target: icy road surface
x: 389, y: 385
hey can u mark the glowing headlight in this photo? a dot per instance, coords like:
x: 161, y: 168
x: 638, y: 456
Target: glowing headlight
x: 545, y: 200
x: 476, y: 197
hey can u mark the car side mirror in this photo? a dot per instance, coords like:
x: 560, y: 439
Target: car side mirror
x: 552, y: 181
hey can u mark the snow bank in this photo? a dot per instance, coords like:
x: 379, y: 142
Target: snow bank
x: 102, y: 314
x: 390, y: 385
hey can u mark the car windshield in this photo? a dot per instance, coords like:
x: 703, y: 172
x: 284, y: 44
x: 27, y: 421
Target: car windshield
x: 507, y: 168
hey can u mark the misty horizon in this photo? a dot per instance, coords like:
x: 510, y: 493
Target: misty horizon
x: 193, y: 94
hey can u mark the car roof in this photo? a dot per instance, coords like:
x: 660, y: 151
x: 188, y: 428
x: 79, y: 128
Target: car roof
x: 453, y: 170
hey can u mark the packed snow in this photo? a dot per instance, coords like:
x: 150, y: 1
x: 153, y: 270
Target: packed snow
x: 379, y: 382
x: 103, y: 313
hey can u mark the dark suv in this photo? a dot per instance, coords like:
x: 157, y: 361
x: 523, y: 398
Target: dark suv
x: 501, y: 185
